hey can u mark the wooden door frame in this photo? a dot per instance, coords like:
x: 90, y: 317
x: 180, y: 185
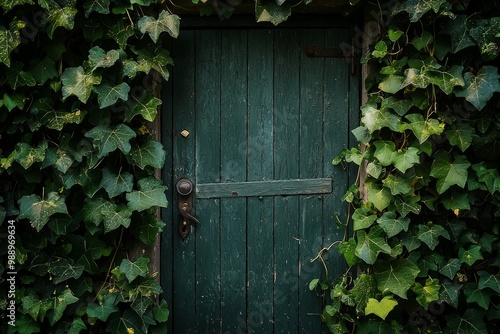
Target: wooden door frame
x: 163, y: 125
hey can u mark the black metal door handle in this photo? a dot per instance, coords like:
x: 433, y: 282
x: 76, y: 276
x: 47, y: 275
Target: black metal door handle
x: 185, y: 191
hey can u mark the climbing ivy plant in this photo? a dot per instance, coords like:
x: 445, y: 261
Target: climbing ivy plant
x: 79, y: 82
x: 423, y: 257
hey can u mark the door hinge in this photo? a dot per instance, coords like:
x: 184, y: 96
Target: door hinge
x: 348, y: 52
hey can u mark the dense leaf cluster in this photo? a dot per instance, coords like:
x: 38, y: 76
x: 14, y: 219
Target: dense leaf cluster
x: 426, y: 234
x: 79, y: 80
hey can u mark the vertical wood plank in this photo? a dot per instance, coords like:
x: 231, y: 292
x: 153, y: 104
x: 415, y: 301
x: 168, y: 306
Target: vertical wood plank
x: 167, y: 214
x: 208, y: 143
x: 233, y: 168
x: 260, y: 167
x: 311, y: 166
x: 336, y: 133
x: 184, y: 297
x: 286, y: 166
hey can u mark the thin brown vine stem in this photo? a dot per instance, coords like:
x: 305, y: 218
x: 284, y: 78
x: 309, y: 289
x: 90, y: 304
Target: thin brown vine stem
x: 111, y: 264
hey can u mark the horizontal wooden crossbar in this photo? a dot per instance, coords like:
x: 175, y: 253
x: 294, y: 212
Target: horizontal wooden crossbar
x: 264, y: 188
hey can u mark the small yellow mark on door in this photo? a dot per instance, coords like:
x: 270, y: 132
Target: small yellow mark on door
x: 185, y: 133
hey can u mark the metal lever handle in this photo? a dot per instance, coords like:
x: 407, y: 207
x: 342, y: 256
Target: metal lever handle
x: 185, y: 190
x: 185, y: 210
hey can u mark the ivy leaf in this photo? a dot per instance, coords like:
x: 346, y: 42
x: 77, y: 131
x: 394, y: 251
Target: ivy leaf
x: 17, y: 77
x: 489, y: 176
x: 348, y: 248
x: 380, y: 50
x: 121, y: 31
x: 485, y: 33
x: 161, y: 312
x: 76, y: 82
x: 393, y: 225
x: 384, y: 151
x: 10, y: 39
x: 397, y: 184
x: 59, y: 158
x: 156, y: 58
x: 35, y: 307
x: 428, y: 293
x: 151, y: 193
x: 7, y: 5
x: 166, y: 22
x: 381, y: 197
x: 422, y: 41
x: 371, y: 244
x: 430, y: 234
x: 451, y: 268
x: 108, y: 95
x: 60, y: 303
x: 362, y: 134
x: 449, y: 293
x: 473, y: 294
x: 146, y: 106
x: 108, y: 140
x: 382, y: 308
x: 38, y: 211
x: 392, y: 84
x: 147, y: 231
x: 422, y: 129
x: 411, y: 242
x: 116, y: 184
x: 100, y: 58
x: 363, y: 218
x: 96, y: 209
x: 103, y: 310
x: 150, y: 154
x: 460, y: 136
x: 133, y: 269
x: 400, y: 106
x: 470, y: 323
x: 271, y: 12
x: 417, y: 8
x: 43, y: 70
x: 405, y: 160
x: 457, y: 201
x: 480, y: 88
x: 60, y: 17
x: 27, y: 155
x: 449, y: 173
x: 63, y: 270
x: 375, y: 119
x: 471, y: 255
x: 374, y: 169
x: 129, y: 321
x: 487, y: 280
x: 55, y: 119
x: 119, y: 216
x: 99, y: 6
x: 459, y: 31
x: 113, y: 216
x: 396, y: 276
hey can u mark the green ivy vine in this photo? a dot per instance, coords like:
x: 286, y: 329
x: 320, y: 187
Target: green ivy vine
x: 79, y: 83
x: 424, y: 252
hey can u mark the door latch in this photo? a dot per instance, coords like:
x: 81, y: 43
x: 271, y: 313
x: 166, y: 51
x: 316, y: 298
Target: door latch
x: 185, y: 191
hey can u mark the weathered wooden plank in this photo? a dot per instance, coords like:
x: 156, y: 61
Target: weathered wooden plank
x: 264, y: 188
x: 207, y: 135
x: 259, y: 318
x: 286, y: 166
x: 311, y: 165
x: 183, y: 155
x: 233, y: 167
x: 336, y: 125
x: 167, y: 214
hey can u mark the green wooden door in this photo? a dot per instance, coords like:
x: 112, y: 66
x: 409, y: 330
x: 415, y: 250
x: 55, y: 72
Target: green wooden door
x: 254, y: 123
